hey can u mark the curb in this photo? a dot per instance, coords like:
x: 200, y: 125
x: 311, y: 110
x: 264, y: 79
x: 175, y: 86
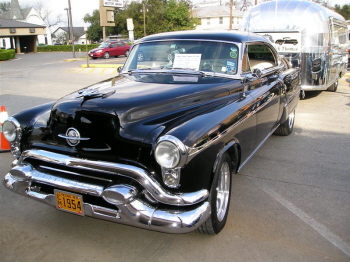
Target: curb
x: 101, y: 65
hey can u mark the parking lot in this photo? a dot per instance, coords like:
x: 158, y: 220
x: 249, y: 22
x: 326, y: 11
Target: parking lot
x: 291, y: 202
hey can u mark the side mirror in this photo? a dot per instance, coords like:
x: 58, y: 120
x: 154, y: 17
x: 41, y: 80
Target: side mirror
x: 120, y: 69
x: 257, y: 72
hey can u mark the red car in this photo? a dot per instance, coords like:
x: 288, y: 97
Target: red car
x: 107, y: 49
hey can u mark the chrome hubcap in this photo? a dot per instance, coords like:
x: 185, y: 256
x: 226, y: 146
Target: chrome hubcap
x: 223, y: 191
x: 291, y: 119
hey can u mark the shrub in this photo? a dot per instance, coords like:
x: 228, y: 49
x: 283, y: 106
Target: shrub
x: 65, y: 48
x: 7, y: 54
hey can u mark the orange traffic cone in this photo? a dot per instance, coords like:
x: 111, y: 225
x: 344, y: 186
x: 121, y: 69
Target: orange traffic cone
x: 4, y: 144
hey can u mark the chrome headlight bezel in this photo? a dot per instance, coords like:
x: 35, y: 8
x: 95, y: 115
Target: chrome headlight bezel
x: 11, y: 130
x: 171, y: 147
x: 173, y: 144
x: 16, y: 141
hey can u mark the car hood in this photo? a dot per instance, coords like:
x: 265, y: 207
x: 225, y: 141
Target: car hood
x: 95, y: 50
x: 119, y: 113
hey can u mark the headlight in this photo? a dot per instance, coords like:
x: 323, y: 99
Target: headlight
x: 167, y: 154
x: 9, y: 130
x: 170, y: 152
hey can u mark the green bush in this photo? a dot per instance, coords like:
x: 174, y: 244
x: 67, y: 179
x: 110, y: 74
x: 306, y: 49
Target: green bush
x: 7, y: 54
x: 65, y: 48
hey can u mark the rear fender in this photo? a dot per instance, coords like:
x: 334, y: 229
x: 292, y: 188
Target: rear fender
x: 291, y: 81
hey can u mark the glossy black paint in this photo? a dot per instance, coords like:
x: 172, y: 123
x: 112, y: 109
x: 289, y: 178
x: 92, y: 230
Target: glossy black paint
x: 124, y: 116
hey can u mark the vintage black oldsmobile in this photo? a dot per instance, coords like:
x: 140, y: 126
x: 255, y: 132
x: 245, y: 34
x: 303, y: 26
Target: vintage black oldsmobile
x: 156, y: 146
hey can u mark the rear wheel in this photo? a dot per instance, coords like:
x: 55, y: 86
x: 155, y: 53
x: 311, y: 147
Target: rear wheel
x: 219, y: 198
x: 106, y: 55
x: 286, y: 128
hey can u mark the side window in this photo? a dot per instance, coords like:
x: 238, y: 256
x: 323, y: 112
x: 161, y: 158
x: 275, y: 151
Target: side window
x: 261, y: 56
x: 120, y: 44
x: 113, y: 45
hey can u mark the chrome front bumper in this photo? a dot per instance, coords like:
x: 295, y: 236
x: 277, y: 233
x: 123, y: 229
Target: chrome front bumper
x: 181, y: 213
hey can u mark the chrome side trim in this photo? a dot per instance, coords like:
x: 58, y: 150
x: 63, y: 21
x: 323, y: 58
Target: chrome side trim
x: 140, y: 175
x: 135, y: 213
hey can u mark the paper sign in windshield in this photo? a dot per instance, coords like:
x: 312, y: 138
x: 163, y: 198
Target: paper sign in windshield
x: 187, y: 61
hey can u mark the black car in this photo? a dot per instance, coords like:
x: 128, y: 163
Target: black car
x: 156, y: 146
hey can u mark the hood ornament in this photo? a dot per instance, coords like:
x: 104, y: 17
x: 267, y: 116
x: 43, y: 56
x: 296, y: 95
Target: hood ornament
x: 72, y: 137
x: 89, y: 93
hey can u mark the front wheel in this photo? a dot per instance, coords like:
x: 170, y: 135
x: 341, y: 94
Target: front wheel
x: 286, y: 128
x: 219, y: 198
x: 106, y: 55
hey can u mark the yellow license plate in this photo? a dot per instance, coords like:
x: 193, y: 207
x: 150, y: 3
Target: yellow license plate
x: 69, y: 202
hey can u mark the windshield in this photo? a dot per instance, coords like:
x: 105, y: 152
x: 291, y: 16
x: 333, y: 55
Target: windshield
x: 103, y: 45
x: 184, y: 55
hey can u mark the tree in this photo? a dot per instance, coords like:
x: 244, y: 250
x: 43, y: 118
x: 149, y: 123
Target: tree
x: 5, y: 7
x: 46, y: 14
x: 161, y: 16
x: 94, y: 31
x: 344, y: 11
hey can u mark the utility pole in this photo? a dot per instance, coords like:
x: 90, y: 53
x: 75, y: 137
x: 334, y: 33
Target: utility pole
x: 231, y: 18
x: 71, y: 27
x: 144, y: 19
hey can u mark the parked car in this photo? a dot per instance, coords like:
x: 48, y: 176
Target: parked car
x: 110, y: 48
x: 156, y: 146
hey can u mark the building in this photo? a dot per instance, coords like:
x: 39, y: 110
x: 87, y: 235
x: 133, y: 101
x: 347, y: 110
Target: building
x: 21, y: 36
x: 26, y: 15
x: 217, y: 17
x: 61, y: 35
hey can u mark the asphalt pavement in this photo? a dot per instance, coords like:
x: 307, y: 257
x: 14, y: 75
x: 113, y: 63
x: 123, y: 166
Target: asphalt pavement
x: 290, y: 203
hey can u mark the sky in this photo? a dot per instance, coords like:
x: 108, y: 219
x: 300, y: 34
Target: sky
x: 81, y: 7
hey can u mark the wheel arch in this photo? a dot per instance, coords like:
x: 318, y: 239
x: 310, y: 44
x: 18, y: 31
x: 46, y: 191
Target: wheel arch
x: 233, y: 149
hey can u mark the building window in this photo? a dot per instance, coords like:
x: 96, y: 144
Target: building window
x: 12, y: 30
x: 208, y: 21
x: 31, y: 30
x: 221, y: 20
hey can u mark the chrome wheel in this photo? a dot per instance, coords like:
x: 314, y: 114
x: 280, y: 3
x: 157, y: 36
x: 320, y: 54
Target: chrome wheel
x: 223, y: 191
x: 219, y: 198
x: 106, y: 55
x: 291, y: 119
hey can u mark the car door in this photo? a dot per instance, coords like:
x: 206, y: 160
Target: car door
x: 113, y: 49
x: 121, y: 48
x: 265, y: 88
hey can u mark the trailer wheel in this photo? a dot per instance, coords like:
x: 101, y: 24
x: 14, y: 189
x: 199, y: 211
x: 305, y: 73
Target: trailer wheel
x: 333, y: 87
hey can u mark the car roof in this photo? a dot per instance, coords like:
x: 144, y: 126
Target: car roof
x: 229, y: 36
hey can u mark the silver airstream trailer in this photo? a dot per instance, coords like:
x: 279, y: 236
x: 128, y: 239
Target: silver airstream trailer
x: 312, y: 37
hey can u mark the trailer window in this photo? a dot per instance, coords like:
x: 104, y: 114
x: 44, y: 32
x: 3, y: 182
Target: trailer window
x: 261, y: 57
x: 340, y: 34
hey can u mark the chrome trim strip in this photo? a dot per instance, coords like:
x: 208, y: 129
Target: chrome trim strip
x: 75, y: 138
x: 136, y: 173
x: 28, y: 174
x: 136, y: 213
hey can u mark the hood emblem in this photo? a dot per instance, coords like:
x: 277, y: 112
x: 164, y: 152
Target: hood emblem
x: 72, y: 137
